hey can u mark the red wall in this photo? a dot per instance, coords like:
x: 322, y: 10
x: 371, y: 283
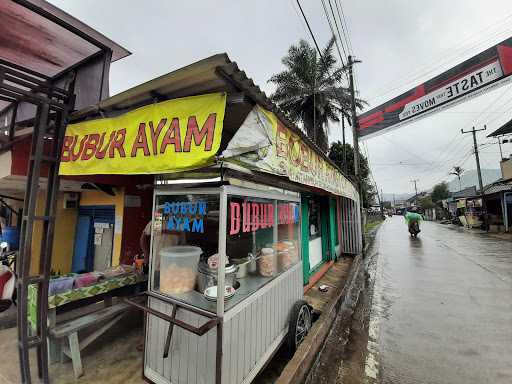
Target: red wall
x: 135, y: 219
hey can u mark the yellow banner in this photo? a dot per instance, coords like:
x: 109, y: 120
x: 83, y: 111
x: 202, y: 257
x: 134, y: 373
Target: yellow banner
x: 170, y: 136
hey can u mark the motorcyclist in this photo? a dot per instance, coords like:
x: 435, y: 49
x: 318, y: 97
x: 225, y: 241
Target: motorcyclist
x: 413, y: 218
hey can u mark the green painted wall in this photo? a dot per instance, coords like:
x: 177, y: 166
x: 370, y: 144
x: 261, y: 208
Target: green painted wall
x: 333, y: 230
x: 329, y: 233
x: 326, y: 242
x: 305, y: 238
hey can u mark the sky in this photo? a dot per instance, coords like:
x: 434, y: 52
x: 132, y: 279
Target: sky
x: 401, y: 43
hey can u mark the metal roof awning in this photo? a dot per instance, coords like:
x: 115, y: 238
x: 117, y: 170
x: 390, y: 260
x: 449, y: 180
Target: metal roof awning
x: 213, y: 74
x: 41, y: 39
x: 505, y: 129
x: 498, y: 187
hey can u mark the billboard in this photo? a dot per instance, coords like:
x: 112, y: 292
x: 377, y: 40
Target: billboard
x: 481, y: 73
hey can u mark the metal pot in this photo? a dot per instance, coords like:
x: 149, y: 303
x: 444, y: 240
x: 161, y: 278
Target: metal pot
x: 207, y: 277
x: 245, y: 265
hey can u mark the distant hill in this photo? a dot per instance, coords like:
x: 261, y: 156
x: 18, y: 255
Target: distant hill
x: 397, y: 196
x: 470, y: 178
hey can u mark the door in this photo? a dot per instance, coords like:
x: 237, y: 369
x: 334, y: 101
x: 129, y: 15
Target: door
x: 103, y: 241
x: 94, y: 238
x: 508, y: 211
x: 315, y: 233
x: 82, y: 244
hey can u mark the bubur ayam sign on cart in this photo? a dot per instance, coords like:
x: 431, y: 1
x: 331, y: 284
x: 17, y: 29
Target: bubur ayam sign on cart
x: 165, y: 137
x: 481, y: 73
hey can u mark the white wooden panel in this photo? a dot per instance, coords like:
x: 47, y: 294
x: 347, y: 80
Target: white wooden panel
x: 315, y: 252
x: 250, y: 335
x: 258, y: 326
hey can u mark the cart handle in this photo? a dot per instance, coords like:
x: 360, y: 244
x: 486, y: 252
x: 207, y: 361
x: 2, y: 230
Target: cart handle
x: 200, y: 331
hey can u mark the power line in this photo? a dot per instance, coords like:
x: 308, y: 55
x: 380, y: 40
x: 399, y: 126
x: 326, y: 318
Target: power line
x: 333, y: 33
x: 311, y: 31
x: 445, y: 59
x: 336, y: 24
x: 345, y: 30
x: 292, y: 3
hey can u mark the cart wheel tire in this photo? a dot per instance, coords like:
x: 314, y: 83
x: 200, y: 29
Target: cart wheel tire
x: 300, y: 324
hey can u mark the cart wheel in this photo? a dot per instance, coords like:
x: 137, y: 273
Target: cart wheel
x: 300, y: 324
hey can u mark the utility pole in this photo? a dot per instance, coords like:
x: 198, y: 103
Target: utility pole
x: 477, y: 158
x: 501, y: 152
x: 355, y: 136
x: 415, y: 189
x: 382, y: 203
x: 344, y: 148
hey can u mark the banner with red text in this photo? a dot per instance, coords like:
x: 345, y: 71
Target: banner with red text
x: 170, y: 136
x: 481, y: 73
x: 265, y: 144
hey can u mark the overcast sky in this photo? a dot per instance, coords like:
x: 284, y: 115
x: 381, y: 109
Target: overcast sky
x: 400, y: 42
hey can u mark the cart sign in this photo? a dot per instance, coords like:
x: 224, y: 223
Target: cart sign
x: 481, y: 73
x: 265, y: 144
x: 171, y: 136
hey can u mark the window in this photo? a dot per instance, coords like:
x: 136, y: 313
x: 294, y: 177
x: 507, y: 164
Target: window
x: 262, y: 242
x: 262, y: 239
x: 185, y: 231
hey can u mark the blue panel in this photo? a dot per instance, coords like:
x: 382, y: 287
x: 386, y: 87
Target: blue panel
x: 82, y: 240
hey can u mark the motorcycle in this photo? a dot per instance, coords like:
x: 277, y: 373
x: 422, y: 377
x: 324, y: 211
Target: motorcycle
x: 7, y: 277
x: 414, y: 229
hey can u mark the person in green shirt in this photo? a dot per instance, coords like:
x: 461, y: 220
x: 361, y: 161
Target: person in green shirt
x: 413, y: 218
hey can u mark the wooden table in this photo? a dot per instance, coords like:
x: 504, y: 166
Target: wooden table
x: 103, y: 291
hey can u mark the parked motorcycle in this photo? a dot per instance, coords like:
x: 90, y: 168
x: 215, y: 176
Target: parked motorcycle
x: 414, y: 229
x: 7, y: 277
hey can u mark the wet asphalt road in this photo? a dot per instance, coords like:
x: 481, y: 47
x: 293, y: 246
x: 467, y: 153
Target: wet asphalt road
x: 441, y: 307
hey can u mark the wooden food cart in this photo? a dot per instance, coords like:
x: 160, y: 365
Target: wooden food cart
x: 232, y: 177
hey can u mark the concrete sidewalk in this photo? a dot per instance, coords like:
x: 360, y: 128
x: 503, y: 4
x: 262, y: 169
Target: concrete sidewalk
x: 113, y: 359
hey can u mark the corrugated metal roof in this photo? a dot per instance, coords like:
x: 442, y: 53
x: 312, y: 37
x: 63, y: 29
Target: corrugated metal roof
x: 45, y: 39
x: 216, y: 73
x: 495, y: 188
x: 464, y: 193
x: 505, y: 129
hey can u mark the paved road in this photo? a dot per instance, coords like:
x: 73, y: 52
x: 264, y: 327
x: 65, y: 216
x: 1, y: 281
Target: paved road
x: 441, y: 309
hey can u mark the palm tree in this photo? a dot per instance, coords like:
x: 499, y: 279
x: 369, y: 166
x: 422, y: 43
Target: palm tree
x: 309, y: 90
x: 457, y: 171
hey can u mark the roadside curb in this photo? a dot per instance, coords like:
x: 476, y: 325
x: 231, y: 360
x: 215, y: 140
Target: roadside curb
x: 304, y: 359
x: 298, y: 368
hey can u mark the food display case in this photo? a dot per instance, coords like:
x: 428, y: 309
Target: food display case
x: 245, y: 240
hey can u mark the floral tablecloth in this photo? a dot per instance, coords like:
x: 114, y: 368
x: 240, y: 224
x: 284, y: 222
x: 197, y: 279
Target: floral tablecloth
x: 79, y: 293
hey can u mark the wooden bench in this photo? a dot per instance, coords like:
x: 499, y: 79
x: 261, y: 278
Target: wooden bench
x: 71, y: 328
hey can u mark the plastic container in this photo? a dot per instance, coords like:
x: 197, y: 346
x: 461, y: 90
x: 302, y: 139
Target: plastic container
x: 60, y: 285
x: 267, y: 262
x: 86, y: 279
x: 178, y: 268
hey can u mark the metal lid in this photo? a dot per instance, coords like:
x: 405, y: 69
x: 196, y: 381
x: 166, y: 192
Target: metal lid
x: 204, y: 268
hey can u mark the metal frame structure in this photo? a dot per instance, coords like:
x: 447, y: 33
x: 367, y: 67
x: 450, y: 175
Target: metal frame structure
x: 54, y: 99
x: 214, y: 320
x: 53, y: 104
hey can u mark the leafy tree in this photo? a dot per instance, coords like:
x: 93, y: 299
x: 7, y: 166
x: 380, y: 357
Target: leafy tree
x: 440, y: 192
x: 426, y: 202
x: 336, y: 154
x: 386, y: 204
x: 309, y: 90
